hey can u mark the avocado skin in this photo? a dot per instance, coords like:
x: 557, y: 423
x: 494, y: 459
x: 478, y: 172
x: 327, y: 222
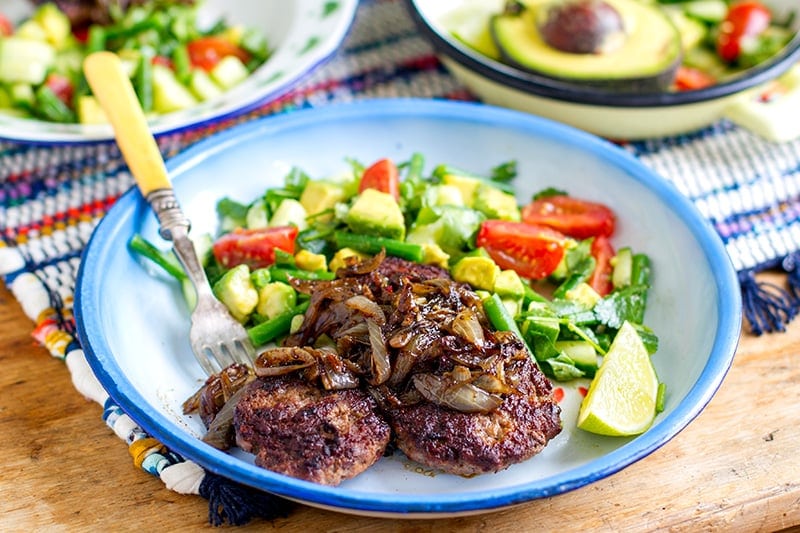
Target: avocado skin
x: 614, y: 82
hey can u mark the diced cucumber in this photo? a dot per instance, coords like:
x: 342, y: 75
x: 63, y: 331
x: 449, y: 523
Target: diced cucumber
x: 257, y: 216
x: 290, y: 212
x: 168, y: 93
x: 229, y: 72
x: 710, y: 11
x: 582, y: 354
x: 21, y: 95
x: 202, y: 86
x: 24, y: 60
x: 623, y: 263
x: 90, y: 111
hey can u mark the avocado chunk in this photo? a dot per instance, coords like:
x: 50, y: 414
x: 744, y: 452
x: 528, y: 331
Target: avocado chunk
x: 275, y: 298
x: 319, y: 196
x: 306, y: 260
x: 480, y: 272
x: 377, y: 213
x: 340, y: 258
x: 644, y: 58
x: 495, y: 203
x: 235, y: 289
x: 509, y: 285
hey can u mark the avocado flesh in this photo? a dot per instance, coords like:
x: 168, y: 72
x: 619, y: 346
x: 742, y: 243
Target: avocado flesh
x: 645, y: 61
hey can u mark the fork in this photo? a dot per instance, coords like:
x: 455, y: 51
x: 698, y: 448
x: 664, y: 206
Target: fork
x: 217, y: 339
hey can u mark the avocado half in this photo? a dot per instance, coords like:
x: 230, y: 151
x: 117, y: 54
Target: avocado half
x: 646, y: 60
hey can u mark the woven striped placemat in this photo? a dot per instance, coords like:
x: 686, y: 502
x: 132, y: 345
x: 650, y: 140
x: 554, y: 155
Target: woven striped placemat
x: 52, y: 198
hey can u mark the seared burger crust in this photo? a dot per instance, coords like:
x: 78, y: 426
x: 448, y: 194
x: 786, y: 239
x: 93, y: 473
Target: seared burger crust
x: 476, y: 443
x: 295, y: 428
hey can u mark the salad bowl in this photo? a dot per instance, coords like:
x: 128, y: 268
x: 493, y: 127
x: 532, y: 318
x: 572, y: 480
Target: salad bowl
x: 134, y: 327
x: 610, y: 112
x: 301, y: 36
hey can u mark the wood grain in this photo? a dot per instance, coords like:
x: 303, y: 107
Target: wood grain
x: 735, y: 468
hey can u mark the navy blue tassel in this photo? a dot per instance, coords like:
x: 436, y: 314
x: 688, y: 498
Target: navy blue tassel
x: 236, y: 504
x: 767, y: 307
x: 791, y: 264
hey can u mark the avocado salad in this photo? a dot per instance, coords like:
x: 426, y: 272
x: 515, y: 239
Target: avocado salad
x: 627, y: 45
x: 546, y: 270
x: 173, y: 63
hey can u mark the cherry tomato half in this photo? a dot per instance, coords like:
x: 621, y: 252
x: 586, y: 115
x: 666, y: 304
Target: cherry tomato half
x: 532, y: 251
x: 382, y: 176
x: 254, y: 247
x: 164, y: 61
x: 603, y: 252
x: 571, y: 216
x: 690, y: 79
x: 206, y: 52
x: 748, y: 18
x: 61, y: 86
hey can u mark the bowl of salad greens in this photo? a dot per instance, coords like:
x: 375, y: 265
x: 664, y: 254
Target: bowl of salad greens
x: 192, y: 62
x: 461, y: 187
x: 627, y: 69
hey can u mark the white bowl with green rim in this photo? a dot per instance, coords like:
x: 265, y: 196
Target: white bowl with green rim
x: 301, y: 34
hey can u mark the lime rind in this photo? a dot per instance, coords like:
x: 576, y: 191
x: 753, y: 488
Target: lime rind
x: 621, y: 400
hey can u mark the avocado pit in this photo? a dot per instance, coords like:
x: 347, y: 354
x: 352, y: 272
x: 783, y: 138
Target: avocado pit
x: 583, y: 27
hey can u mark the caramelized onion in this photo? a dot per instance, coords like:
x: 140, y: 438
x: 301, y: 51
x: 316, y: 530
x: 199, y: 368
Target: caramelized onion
x: 460, y: 396
x: 379, y: 359
x: 367, y: 307
x: 467, y: 326
x: 221, y: 434
x: 283, y: 360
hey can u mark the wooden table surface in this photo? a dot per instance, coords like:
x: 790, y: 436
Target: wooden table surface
x: 735, y: 468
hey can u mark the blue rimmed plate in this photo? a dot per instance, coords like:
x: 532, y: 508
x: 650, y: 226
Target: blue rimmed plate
x: 134, y: 327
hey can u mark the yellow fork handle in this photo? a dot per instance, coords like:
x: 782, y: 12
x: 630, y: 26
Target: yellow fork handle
x: 114, y: 91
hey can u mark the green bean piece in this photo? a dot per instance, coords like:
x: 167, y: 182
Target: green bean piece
x: 165, y: 260
x: 283, y: 274
x: 373, y: 245
x: 276, y: 327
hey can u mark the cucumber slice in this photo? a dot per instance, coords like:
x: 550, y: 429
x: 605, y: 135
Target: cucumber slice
x: 24, y: 60
x: 623, y: 265
x: 202, y: 86
x: 168, y: 93
x: 582, y: 354
x: 229, y: 71
x: 710, y: 11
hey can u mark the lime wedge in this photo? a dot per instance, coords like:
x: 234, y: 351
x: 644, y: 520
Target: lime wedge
x: 621, y: 400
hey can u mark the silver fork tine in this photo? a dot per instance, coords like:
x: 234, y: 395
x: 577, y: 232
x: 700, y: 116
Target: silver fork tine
x: 217, y: 339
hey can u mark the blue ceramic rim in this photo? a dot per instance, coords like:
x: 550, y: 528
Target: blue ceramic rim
x: 113, y: 226
x: 541, y: 85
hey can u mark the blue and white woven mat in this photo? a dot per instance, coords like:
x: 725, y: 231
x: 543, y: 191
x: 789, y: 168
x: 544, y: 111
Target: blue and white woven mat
x: 52, y: 198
